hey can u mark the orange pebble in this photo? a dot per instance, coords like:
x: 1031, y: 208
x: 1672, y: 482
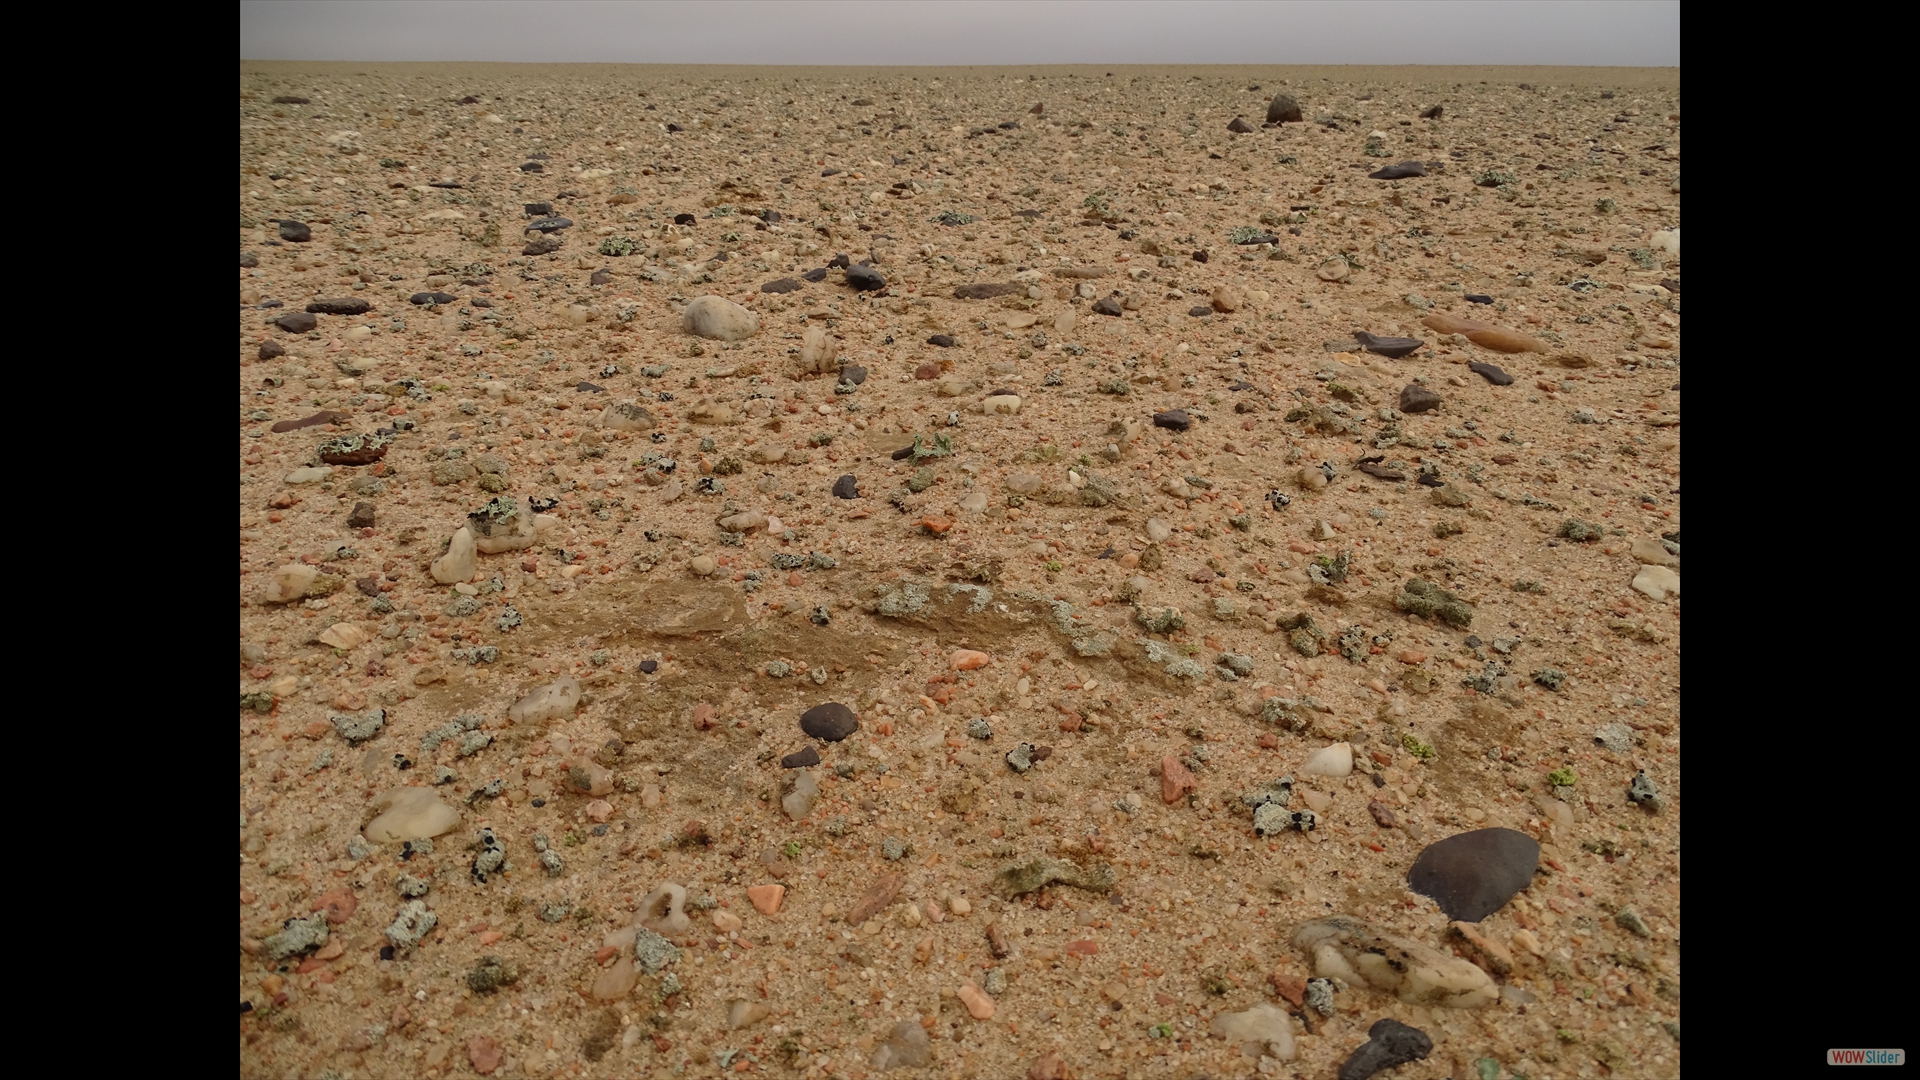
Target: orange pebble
x: 766, y: 898
x: 969, y: 660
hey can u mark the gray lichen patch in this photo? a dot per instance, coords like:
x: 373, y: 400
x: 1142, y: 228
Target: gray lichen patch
x: 1304, y: 634
x: 1044, y: 870
x: 411, y: 887
x: 297, y: 936
x: 490, y: 974
x: 1172, y: 663
x: 412, y: 923
x: 358, y: 729
x: 452, y: 729
x: 653, y: 952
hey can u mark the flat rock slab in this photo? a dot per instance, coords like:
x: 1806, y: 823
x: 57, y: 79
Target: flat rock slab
x: 1491, y: 373
x: 1399, y: 171
x: 1393, y: 348
x: 988, y: 290
x: 1471, y: 875
x: 783, y: 285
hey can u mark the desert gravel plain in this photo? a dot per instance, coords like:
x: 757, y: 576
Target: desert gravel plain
x: 1106, y: 453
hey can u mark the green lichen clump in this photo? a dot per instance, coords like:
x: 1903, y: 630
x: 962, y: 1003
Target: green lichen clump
x: 1414, y: 746
x: 617, y: 245
x: 1421, y: 597
x: 1247, y: 234
x: 1494, y: 178
x: 1562, y: 777
x: 1306, y: 638
x: 1160, y: 620
x: 497, y: 511
x: 1584, y: 532
x: 1551, y: 678
x: 921, y: 481
x: 348, y: 444
x: 942, y: 447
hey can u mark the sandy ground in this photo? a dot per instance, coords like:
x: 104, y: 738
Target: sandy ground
x: 1026, y: 539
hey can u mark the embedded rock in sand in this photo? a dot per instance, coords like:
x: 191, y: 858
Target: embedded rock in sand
x: 553, y: 701
x: 1360, y: 954
x: 720, y: 319
x: 410, y: 813
x: 1266, y: 1025
x: 459, y: 563
x: 664, y: 910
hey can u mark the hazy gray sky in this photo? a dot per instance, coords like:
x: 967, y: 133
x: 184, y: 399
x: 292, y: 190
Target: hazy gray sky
x: 1633, y: 33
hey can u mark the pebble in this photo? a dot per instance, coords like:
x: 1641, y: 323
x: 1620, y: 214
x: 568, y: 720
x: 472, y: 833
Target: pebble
x: 944, y: 341
x: 1471, y: 875
x: 616, y: 982
x: 1335, y: 760
x: 1173, y: 419
x: 1334, y: 269
x: 295, y: 232
x: 830, y: 721
x: 703, y: 565
x: 847, y: 487
x: 352, y: 305
x: 1175, y: 779
x: 1158, y: 530
x: 1265, y: 1024
x: 988, y: 290
x: 906, y: 1047
x: 1418, y: 399
x: 1283, y: 109
x: 1653, y: 553
x: 970, y: 660
x: 1399, y: 171
x: 1656, y: 582
x: 296, y: 322
x: 1108, y: 305
x: 1392, y: 348
x: 548, y: 225
x: 1001, y: 405
x: 425, y: 298
x: 663, y: 911
x: 1239, y: 126
x: 1490, y: 373
x: 978, y: 1004
x: 310, y: 475
x: 1389, y: 1043
x: 865, y: 278
x: 720, y: 319
x: 800, y: 759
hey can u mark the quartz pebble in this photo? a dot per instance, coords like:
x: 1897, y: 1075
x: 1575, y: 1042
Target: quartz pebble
x: 1264, y: 1028
x: 1335, y: 760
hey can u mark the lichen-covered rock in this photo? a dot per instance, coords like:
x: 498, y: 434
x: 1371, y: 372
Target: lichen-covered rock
x: 1042, y: 871
x: 1360, y: 954
x: 1424, y: 598
x: 297, y: 936
x: 289, y: 583
x: 412, y: 923
x: 627, y: 416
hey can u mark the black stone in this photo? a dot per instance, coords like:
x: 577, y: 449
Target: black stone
x: 1389, y: 1043
x: 600, y: 277
x: 469, y: 100
x: 1177, y: 419
x: 1239, y: 126
x: 1392, y: 348
x: 1432, y: 112
x: 351, y: 305
x: 800, y: 759
x: 903, y: 453
x: 450, y: 184
x: 248, y: 260
x: 544, y: 245
x: 853, y: 374
x: 533, y: 166
x: 1418, y: 399
x: 865, y: 278
x: 289, y: 99
x: 425, y: 298
x: 829, y: 172
x: 684, y: 219
x: 296, y: 322
x: 1283, y: 109
x: 1398, y: 171
x: 831, y: 722
x: 362, y: 516
x: 271, y: 349
x: 1471, y: 875
x: 721, y: 257
x: 819, y: 274
x: 783, y: 285
x: 589, y: 388
x: 1107, y: 305
x: 648, y: 667
x: 386, y: 952
x: 1478, y: 298
x: 674, y: 127
x: 246, y: 1007
x: 945, y: 341
x: 771, y: 217
x: 1199, y: 311
x: 549, y: 224
x: 847, y: 487
x: 539, y: 209
x: 1490, y: 373
x: 1199, y: 256
x: 295, y: 232
x: 1672, y: 285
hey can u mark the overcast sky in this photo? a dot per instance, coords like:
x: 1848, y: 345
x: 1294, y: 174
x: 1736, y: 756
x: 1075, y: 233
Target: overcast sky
x: 1629, y: 33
